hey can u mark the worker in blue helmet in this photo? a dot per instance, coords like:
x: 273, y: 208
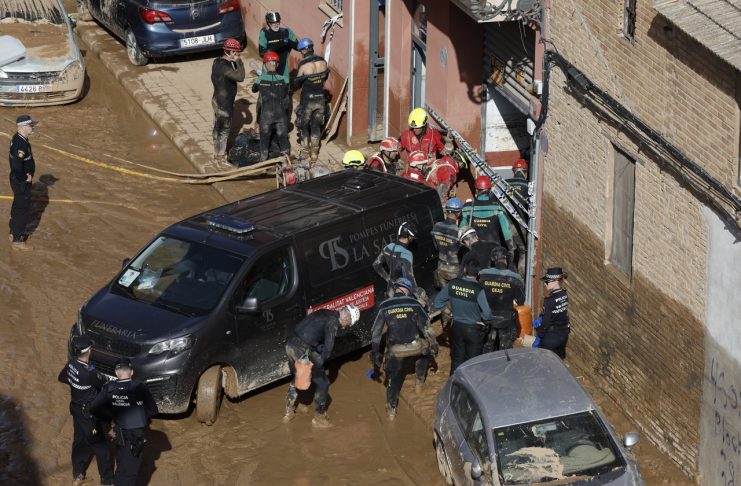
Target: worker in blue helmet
x: 408, y: 337
x: 312, y: 108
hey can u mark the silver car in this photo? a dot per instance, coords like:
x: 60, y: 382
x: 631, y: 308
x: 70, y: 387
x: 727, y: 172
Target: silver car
x: 520, y: 417
x: 48, y: 68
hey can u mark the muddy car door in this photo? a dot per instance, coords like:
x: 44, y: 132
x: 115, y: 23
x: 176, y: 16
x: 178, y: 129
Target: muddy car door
x: 267, y: 305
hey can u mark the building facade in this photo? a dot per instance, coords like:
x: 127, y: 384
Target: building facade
x: 640, y: 205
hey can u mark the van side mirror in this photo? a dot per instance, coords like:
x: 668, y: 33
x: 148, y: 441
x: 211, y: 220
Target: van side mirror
x: 476, y: 471
x: 125, y: 262
x: 250, y: 306
x: 631, y: 439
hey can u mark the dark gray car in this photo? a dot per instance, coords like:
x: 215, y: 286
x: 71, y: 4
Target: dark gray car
x: 520, y: 417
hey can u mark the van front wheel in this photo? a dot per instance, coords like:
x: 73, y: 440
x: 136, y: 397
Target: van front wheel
x: 209, y: 395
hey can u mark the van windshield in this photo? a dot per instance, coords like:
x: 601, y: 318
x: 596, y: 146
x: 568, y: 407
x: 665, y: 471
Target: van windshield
x: 557, y: 448
x: 179, y: 275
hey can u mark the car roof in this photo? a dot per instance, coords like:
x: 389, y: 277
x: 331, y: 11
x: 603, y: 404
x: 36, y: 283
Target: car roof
x: 523, y: 385
x: 299, y: 208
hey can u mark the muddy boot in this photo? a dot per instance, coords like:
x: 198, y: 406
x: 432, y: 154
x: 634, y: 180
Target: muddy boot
x: 419, y: 385
x: 390, y: 412
x: 20, y: 245
x: 290, y: 404
x: 303, y: 150
x: 314, y: 150
x: 80, y: 479
x: 321, y: 421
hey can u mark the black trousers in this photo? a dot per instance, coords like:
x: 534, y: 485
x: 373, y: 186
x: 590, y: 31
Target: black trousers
x: 555, y: 339
x: 20, y: 210
x: 295, y: 349
x: 273, y: 124
x: 466, y: 342
x: 503, y: 331
x: 310, y: 119
x: 222, y: 127
x: 85, y: 444
x: 396, y: 371
x: 127, y: 465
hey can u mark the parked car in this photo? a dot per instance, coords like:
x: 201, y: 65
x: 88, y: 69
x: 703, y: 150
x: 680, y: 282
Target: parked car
x: 209, y: 304
x: 520, y: 417
x: 40, y: 63
x: 162, y: 28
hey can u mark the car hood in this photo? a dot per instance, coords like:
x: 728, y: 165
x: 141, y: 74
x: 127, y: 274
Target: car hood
x: 48, y: 48
x: 132, y: 320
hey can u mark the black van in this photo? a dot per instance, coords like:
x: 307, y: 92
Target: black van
x: 208, y: 305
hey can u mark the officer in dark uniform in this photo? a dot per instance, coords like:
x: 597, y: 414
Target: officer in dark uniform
x: 226, y: 72
x: 311, y: 76
x: 487, y: 216
x: 471, y: 314
x: 131, y: 405
x: 273, y: 104
x: 519, y: 183
x: 553, y: 324
x: 503, y: 288
x: 478, y: 250
x: 89, y: 438
x: 396, y: 260
x: 446, y: 241
x: 275, y: 38
x: 22, y: 169
x: 314, y: 338
x: 407, y: 326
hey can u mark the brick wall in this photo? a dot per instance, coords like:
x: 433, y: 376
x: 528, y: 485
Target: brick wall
x: 639, y: 337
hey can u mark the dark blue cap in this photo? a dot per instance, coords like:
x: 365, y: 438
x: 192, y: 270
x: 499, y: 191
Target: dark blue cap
x: 81, y: 344
x: 123, y: 363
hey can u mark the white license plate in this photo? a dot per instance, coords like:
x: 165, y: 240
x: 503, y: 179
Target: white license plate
x: 198, y: 41
x: 31, y: 88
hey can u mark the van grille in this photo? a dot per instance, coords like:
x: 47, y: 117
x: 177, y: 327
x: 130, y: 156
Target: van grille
x: 113, y: 345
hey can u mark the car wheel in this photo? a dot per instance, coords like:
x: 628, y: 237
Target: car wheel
x: 83, y: 11
x: 443, y: 464
x: 209, y: 395
x: 136, y: 56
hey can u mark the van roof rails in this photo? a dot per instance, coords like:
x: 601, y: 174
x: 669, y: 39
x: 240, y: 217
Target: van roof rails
x: 229, y: 223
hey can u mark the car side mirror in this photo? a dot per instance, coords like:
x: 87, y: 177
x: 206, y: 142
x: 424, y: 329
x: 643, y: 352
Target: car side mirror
x: 251, y: 305
x: 125, y: 262
x: 476, y: 471
x: 631, y: 439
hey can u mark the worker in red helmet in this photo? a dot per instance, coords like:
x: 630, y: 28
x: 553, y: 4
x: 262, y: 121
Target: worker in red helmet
x: 387, y: 158
x: 519, y: 183
x: 488, y: 217
x: 413, y: 175
x: 226, y: 72
x: 273, y: 105
x: 442, y: 175
x: 421, y: 136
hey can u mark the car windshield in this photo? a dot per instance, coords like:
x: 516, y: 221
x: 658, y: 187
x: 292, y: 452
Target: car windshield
x: 555, y: 449
x: 30, y: 12
x: 183, y: 276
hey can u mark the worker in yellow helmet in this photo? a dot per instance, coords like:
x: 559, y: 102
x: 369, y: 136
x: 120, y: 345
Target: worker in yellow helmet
x: 353, y: 159
x: 421, y: 136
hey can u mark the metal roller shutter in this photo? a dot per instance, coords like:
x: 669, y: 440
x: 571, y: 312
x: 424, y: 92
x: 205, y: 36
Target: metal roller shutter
x: 509, y: 50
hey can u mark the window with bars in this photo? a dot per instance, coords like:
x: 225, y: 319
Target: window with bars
x: 629, y: 19
x: 623, y: 204
x: 336, y: 5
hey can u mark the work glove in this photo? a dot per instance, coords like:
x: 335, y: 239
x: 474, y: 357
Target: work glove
x: 537, y: 322
x: 536, y: 343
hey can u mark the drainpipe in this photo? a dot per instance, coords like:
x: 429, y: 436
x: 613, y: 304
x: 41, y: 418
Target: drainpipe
x: 386, y: 63
x: 350, y: 70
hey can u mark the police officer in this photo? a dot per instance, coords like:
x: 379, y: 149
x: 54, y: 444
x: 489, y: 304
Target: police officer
x: 277, y: 39
x: 226, y: 72
x: 22, y: 169
x: 396, y: 260
x: 478, y: 250
x: 503, y: 288
x: 518, y: 182
x: 406, y: 323
x: 445, y: 238
x: 312, y: 74
x: 273, y: 103
x: 131, y: 405
x: 552, y: 326
x: 314, y: 338
x: 88, y: 436
x: 471, y: 314
x: 488, y: 217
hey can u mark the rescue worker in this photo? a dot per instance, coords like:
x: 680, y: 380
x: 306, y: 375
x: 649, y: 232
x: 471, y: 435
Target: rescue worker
x: 273, y: 102
x: 22, y: 169
x: 88, y: 436
x: 407, y: 326
x: 441, y: 175
x: 314, y: 338
x: 413, y: 175
x: 396, y: 260
x: 312, y: 74
x: 488, y: 217
x: 277, y: 39
x: 471, y: 315
x: 421, y: 136
x: 519, y: 183
x: 387, y: 158
x: 504, y: 288
x: 131, y: 406
x: 353, y: 159
x: 226, y: 72
x: 478, y: 250
x: 418, y: 160
x: 446, y: 241
x: 552, y: 326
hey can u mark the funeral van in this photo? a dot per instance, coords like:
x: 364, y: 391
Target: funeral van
x: 205, y: 309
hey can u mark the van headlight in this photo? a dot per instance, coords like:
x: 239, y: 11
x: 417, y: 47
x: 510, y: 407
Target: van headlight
x: 176, y: 345
x: 74, y: 70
